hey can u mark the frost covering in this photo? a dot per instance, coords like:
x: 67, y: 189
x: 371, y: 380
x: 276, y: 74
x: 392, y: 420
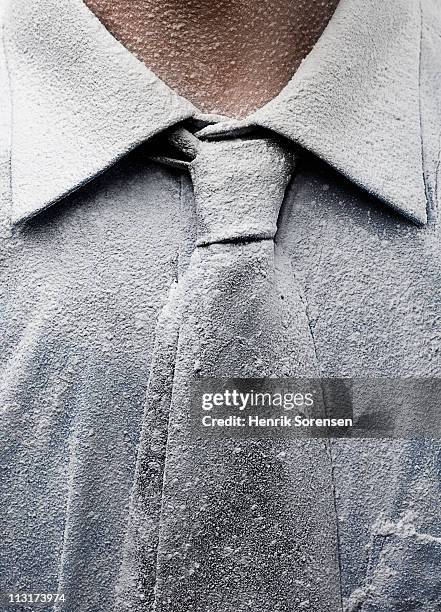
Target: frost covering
x: 93, y: 232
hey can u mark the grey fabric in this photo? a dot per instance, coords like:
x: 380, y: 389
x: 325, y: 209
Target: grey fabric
x: 82, y: 284
x: 215, y: 523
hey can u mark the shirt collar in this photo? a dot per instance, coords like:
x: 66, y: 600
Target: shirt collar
x: 81, y: 101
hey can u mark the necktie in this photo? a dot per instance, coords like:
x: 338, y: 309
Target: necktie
x: 228, y: 525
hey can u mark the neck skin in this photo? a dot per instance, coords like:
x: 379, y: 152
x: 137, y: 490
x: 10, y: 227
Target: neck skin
x: 228, y: 57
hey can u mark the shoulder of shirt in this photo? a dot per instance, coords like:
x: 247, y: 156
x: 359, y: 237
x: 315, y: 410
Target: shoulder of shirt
x: 430, y: 92
x: 5, y: 119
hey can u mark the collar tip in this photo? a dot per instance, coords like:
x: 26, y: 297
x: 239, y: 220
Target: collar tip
x: 419, y: 217
x: 17, y: 219
x: 20, y: 215
x: 413, y: 211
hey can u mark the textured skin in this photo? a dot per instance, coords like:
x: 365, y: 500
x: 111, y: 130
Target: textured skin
x: 82, y: 285
x: 220, y: 55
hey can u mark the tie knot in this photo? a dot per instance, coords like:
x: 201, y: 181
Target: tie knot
x: 239, y: 186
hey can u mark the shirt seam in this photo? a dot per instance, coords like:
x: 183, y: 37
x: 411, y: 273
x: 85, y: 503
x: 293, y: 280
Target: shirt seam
x: 10, y: 109
x: 431, y: 200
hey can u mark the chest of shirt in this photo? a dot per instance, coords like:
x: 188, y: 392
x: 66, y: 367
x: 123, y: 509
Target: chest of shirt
x: 94, y: 270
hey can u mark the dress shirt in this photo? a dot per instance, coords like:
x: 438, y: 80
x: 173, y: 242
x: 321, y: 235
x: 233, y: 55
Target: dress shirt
x: 96, y: 228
